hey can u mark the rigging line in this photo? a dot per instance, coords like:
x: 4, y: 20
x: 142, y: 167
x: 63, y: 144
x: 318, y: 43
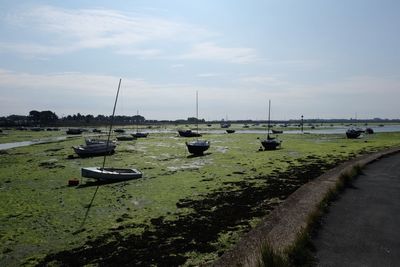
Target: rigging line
x: 111, y: 124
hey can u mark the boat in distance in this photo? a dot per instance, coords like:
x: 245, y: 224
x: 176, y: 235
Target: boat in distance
x: 140, y: 135
x: 125, y: 137
x: 110, y: 174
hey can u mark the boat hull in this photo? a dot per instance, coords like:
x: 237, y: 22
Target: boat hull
x: 353, y: 134
x: 140, y: 135
x: 94, y: 150
x: 188, y: 133
x: 270, y: 144
x: 197, y: 147
x: 110, y: 174
x: 125, y: 138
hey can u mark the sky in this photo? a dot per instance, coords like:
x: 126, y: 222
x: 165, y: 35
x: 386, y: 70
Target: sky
x: 317, y: 58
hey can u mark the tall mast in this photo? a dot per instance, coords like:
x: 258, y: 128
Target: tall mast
x: 197, y: 111
x: 137, y: 121
x: 269, y: 116
x: 111, y: 124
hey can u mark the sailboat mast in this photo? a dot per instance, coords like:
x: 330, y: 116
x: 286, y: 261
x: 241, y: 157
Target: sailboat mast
x: 197, y: 111
x: 137, y: 121
x: 269, y: 115
x: 111, y: 124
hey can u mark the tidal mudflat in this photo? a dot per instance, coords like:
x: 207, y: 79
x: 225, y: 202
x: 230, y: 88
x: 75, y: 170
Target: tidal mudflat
x: 184, y: 211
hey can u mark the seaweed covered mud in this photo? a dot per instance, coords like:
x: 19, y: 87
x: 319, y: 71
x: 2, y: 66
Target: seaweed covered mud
x: 184, y: 211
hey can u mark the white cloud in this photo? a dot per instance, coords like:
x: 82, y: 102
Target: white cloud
x: 211, y: 51
x: 71, y: 30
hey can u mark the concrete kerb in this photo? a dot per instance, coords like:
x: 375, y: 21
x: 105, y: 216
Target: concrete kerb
x: 280, y: 228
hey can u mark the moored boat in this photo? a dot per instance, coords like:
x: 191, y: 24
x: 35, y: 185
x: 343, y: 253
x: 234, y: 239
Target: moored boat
x: 94, y: 141
x: 93, y: 150
x: 74, y: 131
x: 197, y: 147
x: 188, y: 133
x: 353, y: 133
x: 110, y: 174
x: 270, y: 143
x: 140, y: 135
x: 125, y: 137
x: 276, y: 131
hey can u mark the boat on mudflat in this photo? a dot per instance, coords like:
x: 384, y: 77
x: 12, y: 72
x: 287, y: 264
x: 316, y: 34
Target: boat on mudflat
x: 100, y: 149
x: 94, y: 141
x: 270, y: 143
x: 107, y: 173
x: 353, y: 133
x: 74, y: 131
x: 110, y: 174
x: 125, y: 137
x: 188, y: 133
x: 198, y: 147
x: 276, y: 131
x: 140, y: 135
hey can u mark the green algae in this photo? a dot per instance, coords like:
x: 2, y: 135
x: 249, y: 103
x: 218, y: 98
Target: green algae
x: 41, y: 215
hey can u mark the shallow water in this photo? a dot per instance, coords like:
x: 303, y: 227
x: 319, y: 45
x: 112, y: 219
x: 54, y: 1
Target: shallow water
x: 32, y: 142
x: 332, y: 130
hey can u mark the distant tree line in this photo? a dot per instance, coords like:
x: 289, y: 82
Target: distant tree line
x: 48, y: 118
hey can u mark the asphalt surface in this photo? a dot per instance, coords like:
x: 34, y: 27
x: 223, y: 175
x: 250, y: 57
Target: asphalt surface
x: 362, y: 228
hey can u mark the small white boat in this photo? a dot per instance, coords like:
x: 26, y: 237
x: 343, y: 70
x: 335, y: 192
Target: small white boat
x: 110, y: 174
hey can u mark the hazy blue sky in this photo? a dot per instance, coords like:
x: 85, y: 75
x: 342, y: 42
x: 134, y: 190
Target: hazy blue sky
x: 321, y: 58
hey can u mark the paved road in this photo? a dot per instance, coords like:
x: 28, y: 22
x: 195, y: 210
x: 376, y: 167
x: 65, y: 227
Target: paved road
x: 362, y: 227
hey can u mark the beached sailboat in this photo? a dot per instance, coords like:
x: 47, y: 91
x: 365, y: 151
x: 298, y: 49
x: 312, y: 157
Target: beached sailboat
x: 110, y: 174
x: 139, y: 134
x: 93, y: 150
x: 270, y: 143
x: 353, y: 133
x: 197, y: 147
x: 188, y: 133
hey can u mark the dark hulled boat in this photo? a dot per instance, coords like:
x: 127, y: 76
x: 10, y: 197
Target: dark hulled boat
x: 198, y: 147
x: 270, y: 143
x: 353, y: 133
x: 188, y: 133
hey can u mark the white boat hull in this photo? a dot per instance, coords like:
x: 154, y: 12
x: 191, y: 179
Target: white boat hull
x: 110, y: 174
